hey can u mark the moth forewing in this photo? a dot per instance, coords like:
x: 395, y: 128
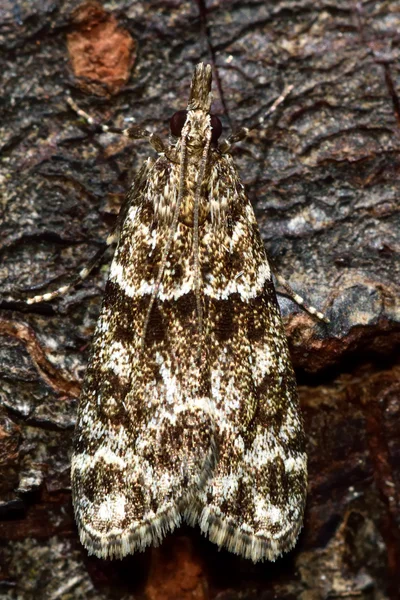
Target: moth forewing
x: 189, y: 405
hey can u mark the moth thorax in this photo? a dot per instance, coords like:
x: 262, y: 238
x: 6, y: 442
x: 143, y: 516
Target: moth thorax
x: 186, y: 214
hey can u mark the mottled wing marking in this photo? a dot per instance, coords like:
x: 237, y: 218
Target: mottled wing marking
x: 190, y: 410
x: 255, y: 500
x: 144, y: 439
x: 254, y: 503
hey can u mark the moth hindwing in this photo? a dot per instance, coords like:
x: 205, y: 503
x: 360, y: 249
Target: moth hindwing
x: 189, y: 407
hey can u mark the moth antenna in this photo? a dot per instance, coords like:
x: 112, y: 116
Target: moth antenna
x: 160, y: 434
x: 243, y: 132
x: 167, y: 247
x: 196, y: 246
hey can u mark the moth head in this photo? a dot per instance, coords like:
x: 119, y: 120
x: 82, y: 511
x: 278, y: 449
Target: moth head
x: 196, y: 122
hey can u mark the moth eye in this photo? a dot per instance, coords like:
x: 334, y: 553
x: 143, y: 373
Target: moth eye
x: 177, y: 122
x: 216, y: 129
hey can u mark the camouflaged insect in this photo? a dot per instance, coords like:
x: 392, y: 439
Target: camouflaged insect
x: 189, y: 408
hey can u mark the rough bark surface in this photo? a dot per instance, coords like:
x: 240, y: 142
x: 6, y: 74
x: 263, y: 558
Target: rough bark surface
x: 324, y: 179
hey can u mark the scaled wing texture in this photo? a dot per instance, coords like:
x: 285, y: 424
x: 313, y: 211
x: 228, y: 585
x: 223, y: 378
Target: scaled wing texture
x: 189, y: 406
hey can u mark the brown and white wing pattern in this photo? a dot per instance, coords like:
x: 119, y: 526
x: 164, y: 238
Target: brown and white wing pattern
x: 254, y: 502
x: 189, y: 405
x: 144, y: 439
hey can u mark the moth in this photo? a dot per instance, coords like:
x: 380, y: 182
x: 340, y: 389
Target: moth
x: 189, y: 409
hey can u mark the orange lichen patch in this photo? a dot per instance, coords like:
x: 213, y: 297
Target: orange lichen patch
x: 63, y: 385
x: 176, y: 572
x: 102, y: 53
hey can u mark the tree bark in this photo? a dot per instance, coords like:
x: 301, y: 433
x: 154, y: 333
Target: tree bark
x: 323, y: 176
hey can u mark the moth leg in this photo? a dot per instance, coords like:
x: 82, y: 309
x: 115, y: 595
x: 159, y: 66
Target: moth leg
x: 235, y: 137
x: 289, y: 291
x: 130, y: 200
x: 83, y: 273
x: 242, y: 133
x: 134, y: 132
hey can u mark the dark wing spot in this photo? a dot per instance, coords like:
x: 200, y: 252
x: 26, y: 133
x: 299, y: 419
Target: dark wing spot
x: 225, y: 326
x: 156, y: 328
